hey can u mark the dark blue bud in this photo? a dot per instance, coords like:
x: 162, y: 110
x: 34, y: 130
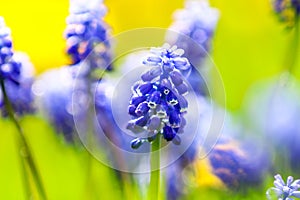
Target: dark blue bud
x: 141, y: 121
x: 174, y: 119
x: 145, y: 88
x: 5, y: 51
x: 142, y: 108
x: 136, y: 100
x: 176, y: 78
x: 131, y: 110
x: 136, y: 143
x: 154, y: 99
x: 7, y: 42
x: 183, y: 104
x: 172, y: 99
x: 168, y: 133
x: 182, y: 125
x: 154, y: 123
x: 182, y: 89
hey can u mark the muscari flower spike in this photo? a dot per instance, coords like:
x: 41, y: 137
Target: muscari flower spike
x: 284, y: 191
x: 196, y: 24
x: 9, y: 68
x: 158, y: 103
x: 55, y: 91
x: 287, y: 10
x: 16, y: 71
x: 194, y: 27
x: 87, y: 33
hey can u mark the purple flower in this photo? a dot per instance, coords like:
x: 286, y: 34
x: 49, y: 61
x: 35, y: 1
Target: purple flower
x: 158, y: 103
x: 273, y: 109
x: 87, y: 34
x: 9, y: 68
x: 194, y: 27
x: 233, y: 162
x: 17, y: 72
x: 192, y: 30
x: 284, y: 191
x: 55, y: 91
x: 287, y: 10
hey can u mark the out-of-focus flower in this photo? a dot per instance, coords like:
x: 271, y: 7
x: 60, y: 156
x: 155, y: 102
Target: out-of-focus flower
x: 9, y: 68
x: 17, y: 72
x: 56, y: 90
x: 87, y: 34
x: 20, y: 95
x: 235, y: 164
x: 287, y: 10
x: 274, y: 109
x: 158, y: 103
x: 284, y: 191
x: 192, y: 30
x: 194, y: 26
x: 229, y: 164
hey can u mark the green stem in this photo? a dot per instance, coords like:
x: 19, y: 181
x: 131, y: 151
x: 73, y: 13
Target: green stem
x: 24, y: 147
x: 155, y: 169
x: 26, y: 182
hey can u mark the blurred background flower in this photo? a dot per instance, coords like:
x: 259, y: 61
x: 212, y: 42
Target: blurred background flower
x: 16, y: 72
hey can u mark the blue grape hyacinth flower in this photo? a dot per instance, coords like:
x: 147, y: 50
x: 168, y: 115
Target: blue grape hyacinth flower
x: 55, y: 91
x: 194, y: 27
x: 287, y: 10
x: 192, y: 31
x: 9, y: 68
x: 87, y: 34
x: 16, y: 72
x: 276, y: 117
x: 284, y: 191
x: 233, y: 162
x: 158, y: 103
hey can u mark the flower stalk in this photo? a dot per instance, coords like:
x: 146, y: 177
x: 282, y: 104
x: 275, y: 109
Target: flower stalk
x: 155, y: 169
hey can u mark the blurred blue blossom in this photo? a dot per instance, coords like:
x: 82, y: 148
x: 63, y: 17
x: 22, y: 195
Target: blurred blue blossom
x: 284, y: 191
x: 231, y: 160
x: 274, y: 109
x: 192, y: 30
x: 235, y: 164
x: 87, y: 34
x: 56, y: 90
x: 9, y: 68
x: 20, y: 95
x: 17, y: 73
x: 194, y: 26
x: 287, y: 10
x: 158, y: 103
